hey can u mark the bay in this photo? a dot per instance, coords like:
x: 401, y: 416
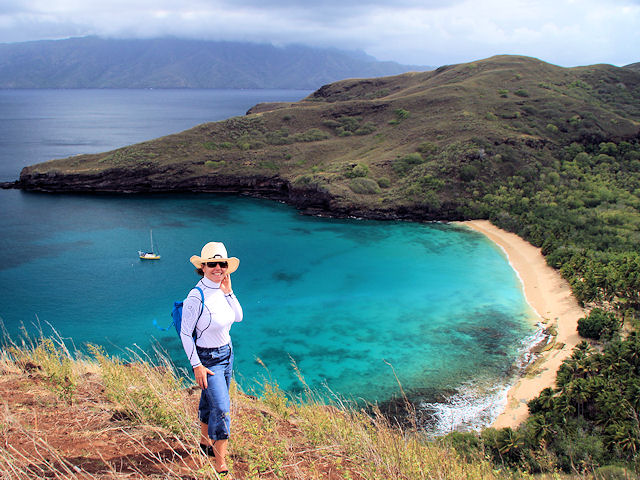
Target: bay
x: 357, y: 306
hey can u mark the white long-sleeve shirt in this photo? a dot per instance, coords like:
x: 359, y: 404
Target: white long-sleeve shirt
x: 211, y: 321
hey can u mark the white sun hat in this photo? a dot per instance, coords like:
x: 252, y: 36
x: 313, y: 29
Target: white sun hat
x: 215, y: 252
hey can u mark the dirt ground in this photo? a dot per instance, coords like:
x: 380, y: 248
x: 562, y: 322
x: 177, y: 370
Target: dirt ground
x: 88, y: 438
x: 45, y: 436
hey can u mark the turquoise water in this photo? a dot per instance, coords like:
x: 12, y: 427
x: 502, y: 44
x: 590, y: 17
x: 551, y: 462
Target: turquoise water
x: 350, y: 301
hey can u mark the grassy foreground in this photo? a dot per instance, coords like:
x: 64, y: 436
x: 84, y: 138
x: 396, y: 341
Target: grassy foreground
x: 72, y: 416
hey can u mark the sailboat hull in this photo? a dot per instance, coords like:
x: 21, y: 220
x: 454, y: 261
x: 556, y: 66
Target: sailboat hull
x: 149, y: 256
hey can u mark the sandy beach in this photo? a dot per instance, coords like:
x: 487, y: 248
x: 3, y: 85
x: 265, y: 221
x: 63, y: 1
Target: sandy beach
x: 550, y: 296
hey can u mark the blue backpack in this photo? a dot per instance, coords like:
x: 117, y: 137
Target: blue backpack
x: 176, y: 315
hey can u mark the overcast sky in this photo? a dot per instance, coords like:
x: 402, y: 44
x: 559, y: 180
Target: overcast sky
x: 427, y: 32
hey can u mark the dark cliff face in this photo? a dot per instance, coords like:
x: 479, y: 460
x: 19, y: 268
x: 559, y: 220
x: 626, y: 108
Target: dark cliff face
x: 309, y: 199
x: 126, y: 181
x: 121, y: 180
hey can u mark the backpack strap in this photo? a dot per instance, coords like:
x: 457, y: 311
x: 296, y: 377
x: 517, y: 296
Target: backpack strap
x: 201, y: 296
x: 193, y: 334
x: 202, y: 304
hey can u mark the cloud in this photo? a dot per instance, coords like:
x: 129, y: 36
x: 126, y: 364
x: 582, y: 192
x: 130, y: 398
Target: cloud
x: 436, y: 32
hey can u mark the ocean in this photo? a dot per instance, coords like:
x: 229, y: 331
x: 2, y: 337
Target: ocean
x: 358, y: 310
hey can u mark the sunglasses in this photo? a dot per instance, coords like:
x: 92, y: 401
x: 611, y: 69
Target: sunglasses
x: 215, y: 264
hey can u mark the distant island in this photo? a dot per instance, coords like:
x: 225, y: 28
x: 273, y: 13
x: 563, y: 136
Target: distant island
x: 93, y: 62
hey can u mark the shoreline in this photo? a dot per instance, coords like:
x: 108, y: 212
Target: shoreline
x: 550, y: 297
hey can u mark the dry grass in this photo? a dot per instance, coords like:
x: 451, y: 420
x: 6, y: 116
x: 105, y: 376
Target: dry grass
x: 66, y: 417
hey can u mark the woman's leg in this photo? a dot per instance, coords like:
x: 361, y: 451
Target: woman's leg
x: 218, y: 423
x: 204, y: 434
x: 220, y: 449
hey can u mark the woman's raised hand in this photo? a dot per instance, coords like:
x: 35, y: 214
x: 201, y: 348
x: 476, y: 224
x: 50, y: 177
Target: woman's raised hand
x: 225, y: 285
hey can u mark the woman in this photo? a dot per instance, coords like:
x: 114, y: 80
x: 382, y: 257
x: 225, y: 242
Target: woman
x: 206, y: 321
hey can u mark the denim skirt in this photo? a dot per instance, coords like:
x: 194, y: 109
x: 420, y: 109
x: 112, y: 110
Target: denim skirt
x: 215, y: 406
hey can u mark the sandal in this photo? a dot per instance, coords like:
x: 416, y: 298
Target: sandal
x: 207, y: 450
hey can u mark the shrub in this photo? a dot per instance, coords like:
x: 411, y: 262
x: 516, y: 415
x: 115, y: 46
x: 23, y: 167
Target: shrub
x: 269, y: 164
x: 503, y: 93
x: 331, y: 123
x: 551, y: 128
x: 379, y: 93
x: 279, y: 137
x: 576, y: 120
x: 403, y: 164
x: 359, y: 170
x: 303, y: 180
x: 491, y: 116
x: 468, y: 173
x: 347, y: 126
x: 583, y: 160
x: 466, y: 444
x: 401, y: 114
x: 602, y: 158
x: 384, y: 182
x: 364, y: 186
x: 427, y: 148
x: 366, y: 129
x: 521, y: 92
x: 214, y: 164
x: 599, y: 324
x: 311, y: 135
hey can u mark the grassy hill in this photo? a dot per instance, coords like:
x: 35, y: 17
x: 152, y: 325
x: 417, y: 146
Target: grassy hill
x: 426, y: 142
x: 633, y: 66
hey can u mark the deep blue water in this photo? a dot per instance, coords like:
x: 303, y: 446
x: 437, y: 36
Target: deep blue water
x: 352, y: 302
x: 39, y: 125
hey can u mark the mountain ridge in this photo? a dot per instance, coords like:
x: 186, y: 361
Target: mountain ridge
x: 94, y: 62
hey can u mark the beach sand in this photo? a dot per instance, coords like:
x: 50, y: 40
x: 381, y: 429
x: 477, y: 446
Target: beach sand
x: 550, y: 296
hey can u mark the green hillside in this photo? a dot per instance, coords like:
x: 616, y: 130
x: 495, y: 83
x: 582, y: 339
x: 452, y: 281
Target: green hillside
x: 550, y: 153
x: 460, y: 125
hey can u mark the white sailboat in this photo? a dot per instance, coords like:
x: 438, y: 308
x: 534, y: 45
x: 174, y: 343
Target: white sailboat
x: 150, y: 255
